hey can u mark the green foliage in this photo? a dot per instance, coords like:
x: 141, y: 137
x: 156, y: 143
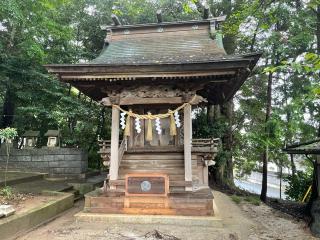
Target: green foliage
x: 8, y: 133
x: 298, y: 185
x: 7, y: 192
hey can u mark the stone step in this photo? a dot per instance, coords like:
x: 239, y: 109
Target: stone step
x: 172, y: 177
x: 154, y: 157
x: 143, y: 161
x: 169, y: 171
x: 201, y: 221
x: 121, y: 182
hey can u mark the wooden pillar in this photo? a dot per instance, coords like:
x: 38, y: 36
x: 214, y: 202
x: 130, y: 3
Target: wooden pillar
x: 187, y: 145
x: 205, y: 176
x: 114, y: 158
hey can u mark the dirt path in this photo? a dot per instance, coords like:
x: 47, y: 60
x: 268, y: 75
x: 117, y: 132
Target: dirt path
x: 243, y: 221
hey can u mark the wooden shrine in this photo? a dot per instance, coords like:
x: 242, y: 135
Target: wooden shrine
x: 152, y: 76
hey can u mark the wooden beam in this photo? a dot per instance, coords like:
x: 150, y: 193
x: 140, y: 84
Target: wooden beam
x: 159, y: 16
x: 114, y: 159
x: 139, y: 100
x: 148, y: 100
x: 187, y: 145
x: 116, y: 20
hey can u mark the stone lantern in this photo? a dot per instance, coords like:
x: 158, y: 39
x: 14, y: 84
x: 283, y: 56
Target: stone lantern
x: 30, y: 139
x: 53, y: 138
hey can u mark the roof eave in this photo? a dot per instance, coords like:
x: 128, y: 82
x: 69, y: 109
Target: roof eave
x: 247, y: 58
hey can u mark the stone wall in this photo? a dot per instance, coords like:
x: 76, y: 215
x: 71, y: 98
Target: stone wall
x: 57, y: 162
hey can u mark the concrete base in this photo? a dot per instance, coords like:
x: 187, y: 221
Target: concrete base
x: 149, y: 219
x: 15, y: 225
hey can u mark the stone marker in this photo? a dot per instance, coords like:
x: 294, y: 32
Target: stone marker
x: 6, y: 210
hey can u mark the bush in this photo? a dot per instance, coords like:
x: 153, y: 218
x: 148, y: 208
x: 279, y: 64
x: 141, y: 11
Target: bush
x: 298, y: 185
x: 6, y: 192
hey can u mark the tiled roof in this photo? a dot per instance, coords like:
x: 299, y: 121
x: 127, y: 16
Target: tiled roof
x: 52, y: 133
x: 31, y: 133
x: 169, y: 46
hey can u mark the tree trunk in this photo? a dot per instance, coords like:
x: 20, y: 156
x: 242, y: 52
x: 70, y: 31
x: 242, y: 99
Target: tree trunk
x: 263, y: 195
x: 228, y: 141
x: 314, y: 192
x: 293, y: 166
x: 289, y: 133
x: 264, y: 187
x: 8, y: 109
x: 280, y: 181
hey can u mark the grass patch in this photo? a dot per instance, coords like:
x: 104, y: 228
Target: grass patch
x: 236, y: 199
x: 255, y: 200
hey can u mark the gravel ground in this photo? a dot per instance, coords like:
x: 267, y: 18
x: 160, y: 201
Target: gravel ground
x: 240, y: 221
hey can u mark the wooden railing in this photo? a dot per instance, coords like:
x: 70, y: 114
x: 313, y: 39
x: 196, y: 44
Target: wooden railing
x: 207, y: 148
x: 209, y: 143
x: 105, y: 150
x: 122, y: 148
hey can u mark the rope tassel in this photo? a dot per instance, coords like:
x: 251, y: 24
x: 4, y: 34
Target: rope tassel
x: 149, y: 130
x: 127, y: 128
x: 173, y: 129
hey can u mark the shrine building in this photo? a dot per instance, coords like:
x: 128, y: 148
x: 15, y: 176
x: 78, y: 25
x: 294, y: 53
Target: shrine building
x: 153, y: 76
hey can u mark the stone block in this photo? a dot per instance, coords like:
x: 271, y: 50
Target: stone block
x: 84, y: 165
x: 58, y: 170
x: 38, y: 165
x: 24, y: 158
x: 72, y: 170
x: 72, y: 157
x: 59, y: 157
x: 48, y: 157
x: 54, y: 164
x: 70, y: 164
x: 6, y: 210
x: 37, y: 158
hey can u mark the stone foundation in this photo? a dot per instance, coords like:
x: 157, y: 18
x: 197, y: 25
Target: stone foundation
x: 198, y: 203
x: 57, y: 162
